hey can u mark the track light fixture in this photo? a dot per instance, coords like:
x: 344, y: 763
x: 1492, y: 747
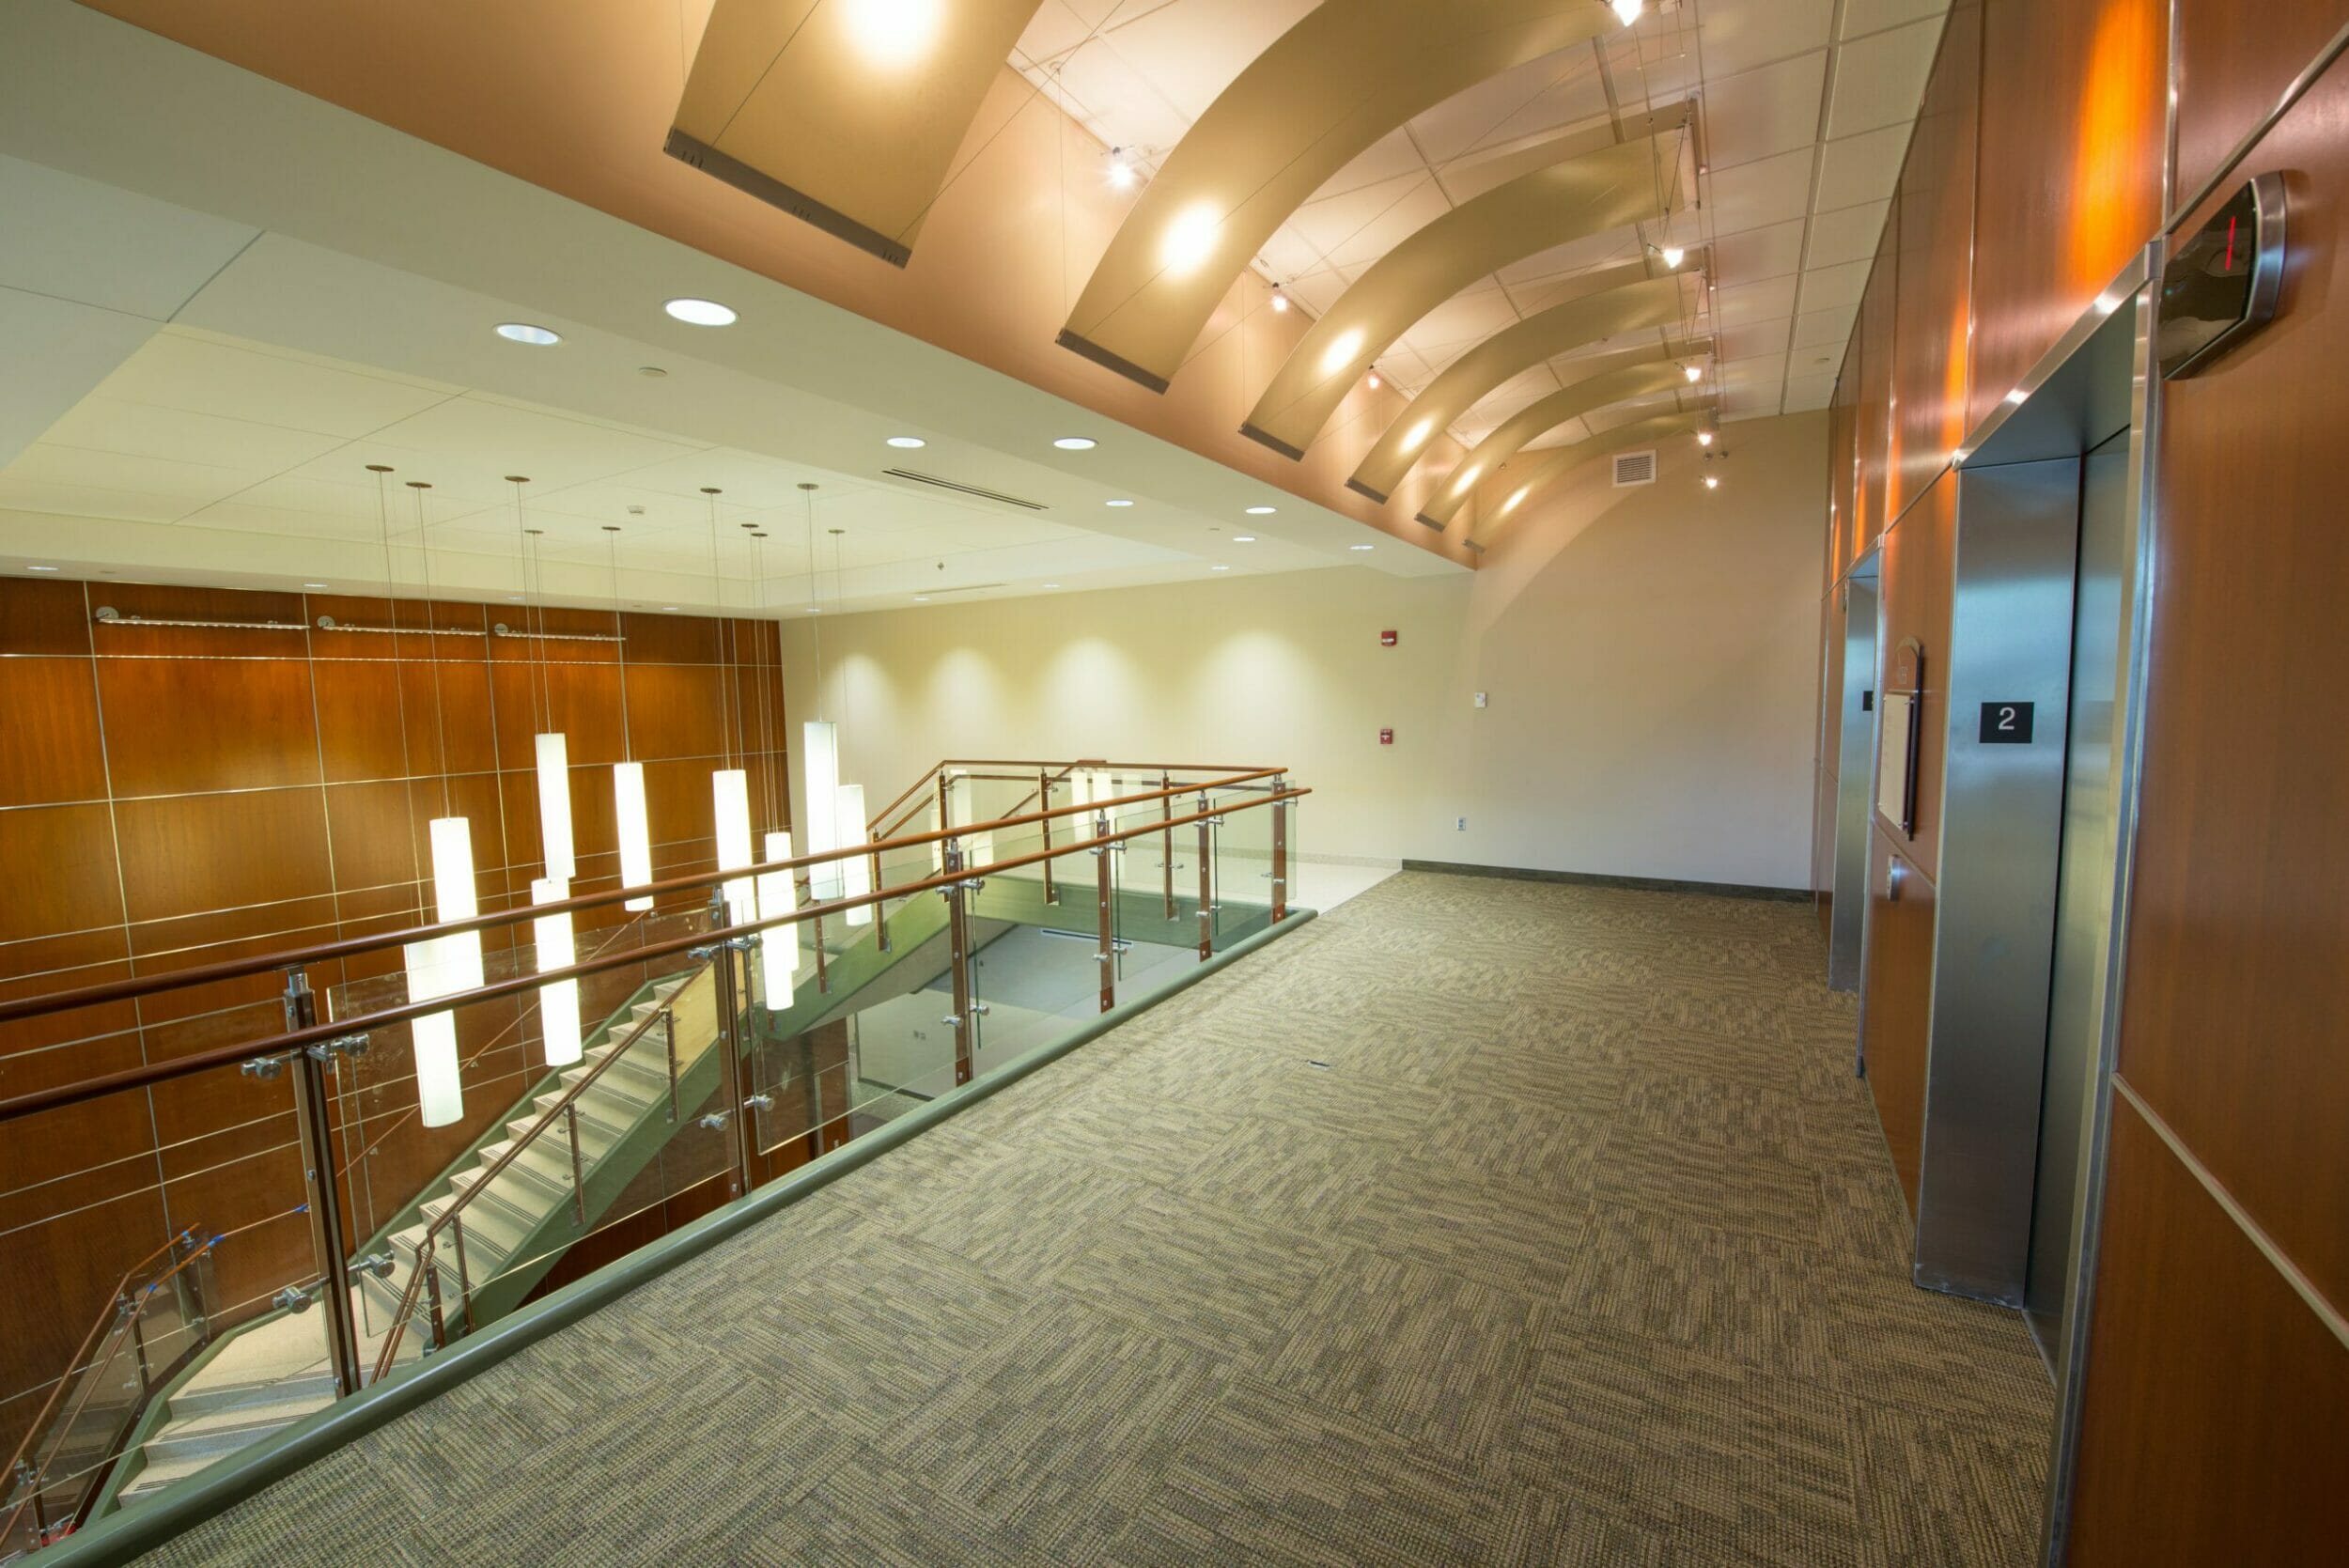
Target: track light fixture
x: 1626, y: 11
x: 1123, y: 174
x: 1373, y: 382
x: 1279, y: 300
x: 1694, y: 372
x: 1673, y: 255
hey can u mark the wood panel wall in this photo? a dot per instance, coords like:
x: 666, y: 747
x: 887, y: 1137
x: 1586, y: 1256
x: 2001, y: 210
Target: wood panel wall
x: 2217, y: 1406
x: 171, y: 797
x: 2216, y: 1424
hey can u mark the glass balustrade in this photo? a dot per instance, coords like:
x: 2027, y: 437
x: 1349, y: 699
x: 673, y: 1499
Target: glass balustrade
x: 480, y: 1153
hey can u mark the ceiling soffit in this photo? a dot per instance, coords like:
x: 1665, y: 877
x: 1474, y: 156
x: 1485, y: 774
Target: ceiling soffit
x: 1580, y: 195
x: 842, y: 114
x: 1346, y: 75
x: 1506, y: 492
x: 1614, y: 300
x: 1660, y: 373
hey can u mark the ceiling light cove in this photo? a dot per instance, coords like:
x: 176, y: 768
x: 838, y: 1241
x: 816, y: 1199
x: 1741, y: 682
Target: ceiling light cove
x: 701, y: 313
x: 523, y: 332
x: 1076, y: 443
x: 892, y: 34
x: 908, y: 444
x: 1189, y: 239
x: 1419, y: 432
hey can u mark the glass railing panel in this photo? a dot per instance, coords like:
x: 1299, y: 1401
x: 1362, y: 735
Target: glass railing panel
x: 575, y: 1154
x: 161, y: 1261
x: 1241, y: 840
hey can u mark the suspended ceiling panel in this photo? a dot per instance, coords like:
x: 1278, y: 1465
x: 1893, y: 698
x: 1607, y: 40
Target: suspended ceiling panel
x: 1578, y: 193
x: 846, y: 113
x: 1516, y: 483
x: 1597, y: 306
x: 1348, y: 73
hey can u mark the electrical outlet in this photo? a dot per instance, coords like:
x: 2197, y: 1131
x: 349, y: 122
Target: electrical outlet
x: 1480, y: 699
x: 1459, y: 824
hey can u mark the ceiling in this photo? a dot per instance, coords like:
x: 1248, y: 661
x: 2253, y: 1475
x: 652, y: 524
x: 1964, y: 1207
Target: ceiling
x: 1806, y: 106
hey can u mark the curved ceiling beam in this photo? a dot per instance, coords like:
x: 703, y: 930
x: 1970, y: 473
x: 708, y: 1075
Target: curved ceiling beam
x: 1576, y: 197
x: 1506, y: 492
x: 1346, y: 74
x: 1598, y: 306
x: 845, y: 112
x: 1654, y: 371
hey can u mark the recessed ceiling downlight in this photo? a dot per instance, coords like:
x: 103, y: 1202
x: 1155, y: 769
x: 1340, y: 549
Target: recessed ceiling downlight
x: 1118, y: 502
x: 907, y: 442
x: 1076, y: 443
x: 1259, y: 511
x: 523, y: 332
x: 1359, y: 547
x: 701, y: 313
x: 1243, y: 538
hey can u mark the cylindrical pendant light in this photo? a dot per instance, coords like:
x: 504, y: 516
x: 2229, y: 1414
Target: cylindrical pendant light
x: 628, y: 799
x: 628, y: 775
x: 819, y: 757
x: 555, y: 806
x: 443, y: 965
x: 856, y: 873
x: 779, y: 945
x: 558, y: 1003
x: 730, y: 795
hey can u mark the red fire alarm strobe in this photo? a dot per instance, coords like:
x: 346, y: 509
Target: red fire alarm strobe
x: 1386, y: 639
x: 1386, y: 738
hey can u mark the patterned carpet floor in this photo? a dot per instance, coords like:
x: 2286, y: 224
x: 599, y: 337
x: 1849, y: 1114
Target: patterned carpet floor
x: 1478, y: 1221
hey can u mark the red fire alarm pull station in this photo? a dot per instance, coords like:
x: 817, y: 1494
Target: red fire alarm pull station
x: 1386, y: 738
x: 1386, y: 639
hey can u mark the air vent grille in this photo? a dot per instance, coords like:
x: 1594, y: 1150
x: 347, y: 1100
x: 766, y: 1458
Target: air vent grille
x: 1635, y: 467
x: 936, y: 483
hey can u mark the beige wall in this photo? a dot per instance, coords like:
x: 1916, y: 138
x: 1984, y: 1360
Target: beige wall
x: 1650, y: 656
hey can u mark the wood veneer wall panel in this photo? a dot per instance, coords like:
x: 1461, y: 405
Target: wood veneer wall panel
x: 2232, y: 70
x: 2216, y: 1417
x: 1899, y: 984
x: 1843, y: 453
x: 2073, y: 118
x: 1878, y: 344
x: 1933, y: 288
x: 272, y: 788
x: 2232, y: 1015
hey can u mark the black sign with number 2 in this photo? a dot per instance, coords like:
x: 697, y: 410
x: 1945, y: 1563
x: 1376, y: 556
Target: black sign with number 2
x: 2006, y: 724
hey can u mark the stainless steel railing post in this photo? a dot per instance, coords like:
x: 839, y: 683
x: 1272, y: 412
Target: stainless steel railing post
x: 324, y: 1196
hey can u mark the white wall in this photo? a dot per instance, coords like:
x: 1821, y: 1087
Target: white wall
x: 1650, y: 656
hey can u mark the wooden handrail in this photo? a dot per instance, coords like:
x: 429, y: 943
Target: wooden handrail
x: 140, y: 1077
x: 923, y: 783
x: 240, y: 968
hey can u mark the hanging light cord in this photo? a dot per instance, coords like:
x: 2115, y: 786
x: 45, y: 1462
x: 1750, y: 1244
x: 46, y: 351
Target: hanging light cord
x: 440, y: 718
x: 399, y: 683
x: 611, y: 554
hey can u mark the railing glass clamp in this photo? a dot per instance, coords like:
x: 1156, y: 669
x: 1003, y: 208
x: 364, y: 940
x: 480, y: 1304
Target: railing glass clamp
x: 264, y: 1068
x: 759, y: 1102
x: 714, y: 1121
x: 342, y: 1045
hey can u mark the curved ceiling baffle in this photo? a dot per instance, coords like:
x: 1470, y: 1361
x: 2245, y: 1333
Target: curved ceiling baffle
x: 1346, y: 74
x: 1499, y: 497
x: 1618, y: 378
x: 1577, y: 194
x: 844, y: 113
x: 1591, y: 308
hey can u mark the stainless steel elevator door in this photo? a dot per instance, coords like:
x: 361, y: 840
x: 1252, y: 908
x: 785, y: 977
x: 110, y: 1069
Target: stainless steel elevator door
x: 2084, y: 887
x: 1854, y: 780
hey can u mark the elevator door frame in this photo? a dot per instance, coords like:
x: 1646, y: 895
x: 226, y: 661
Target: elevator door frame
x: 1855, y: 779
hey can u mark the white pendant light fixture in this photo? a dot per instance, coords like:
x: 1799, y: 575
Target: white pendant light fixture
x: 730, y: 785
x: 558, y: 1003
x: 551, y: 750
x: 856, y: 872
x: 778, y: 945
x: 441, y: 966
x: 820, y: 759
x: 628, y: 775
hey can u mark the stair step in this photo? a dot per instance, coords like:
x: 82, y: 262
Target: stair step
x: 198, y: 1399
x: 638, y: 1082
x: 214, y: 1432
x: 527, y: 1190
x: 492, y: 1234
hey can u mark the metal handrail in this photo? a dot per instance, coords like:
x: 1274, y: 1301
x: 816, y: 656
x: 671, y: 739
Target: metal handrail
x: 111, y: 1316
x: 125, y: 990
x: 426, y: 1248
x: 1029, y: 768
